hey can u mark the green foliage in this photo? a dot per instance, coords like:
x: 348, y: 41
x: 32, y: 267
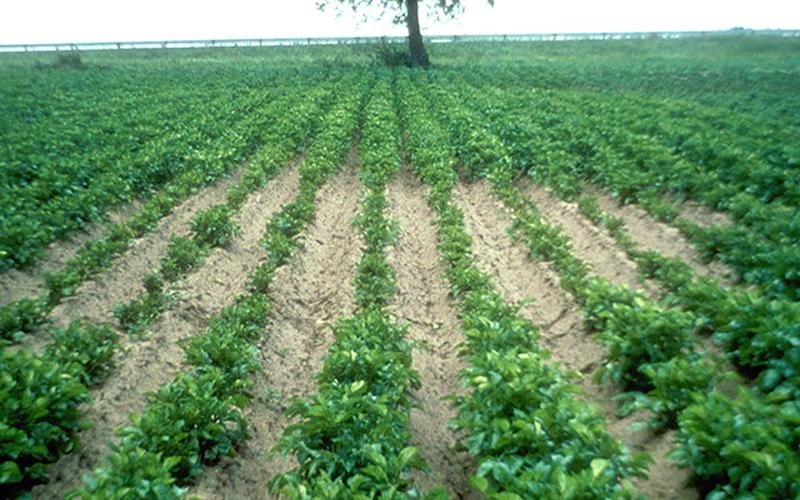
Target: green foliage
x: 89, y: 347
x: 283, y: 135
x: 21, y: 317
x: 386, y: 54
x: 283, y: 230
x: 40, y: 415
x: 675, y: 384
x: 641, y: 148
x: 195, y: 420
x: 132, y: 473
x: 635, y: 332
x: 61, y: 177
x: 235, y: 356
x: 69, y: 59
x: 351, y: 438
x: 138, y: 313
x: 588, y: 206
x: 356, y: 427
x: 228, y: 342
x: 746, y: 446
x: 567, y: 453
x: 531, y: 435
x: 261, y: 279
x: 213, y: 227
x: 182, y: 255
x: 190, y: 419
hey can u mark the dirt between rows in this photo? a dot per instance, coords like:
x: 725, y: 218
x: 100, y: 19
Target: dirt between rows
x: 422, y: 300
x: 16, y: 284
x: 154, y: 360
x: 94, y: 300
x: 702, y: 215
x: 308, y: 295
x: 651, y: 234
x: 592, y: 245
x: 560, y: 319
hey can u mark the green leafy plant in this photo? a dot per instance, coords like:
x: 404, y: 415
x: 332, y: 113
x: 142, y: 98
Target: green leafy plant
x: 138, y: 313
x: 21, y: 317
x: 195, y: 420
x: 40, y: 415
x: 530, y: 434
x: 182, y: 255
x: 90, y: 347
x: 190, y: 419
x: 676, y: 384
x: 635, y: 332
x: 352, y: 436
x: 745, y: 446
x: 214, y: 226
x: 132, y: 473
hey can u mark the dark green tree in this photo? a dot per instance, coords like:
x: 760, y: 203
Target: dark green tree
x: 405, y: 12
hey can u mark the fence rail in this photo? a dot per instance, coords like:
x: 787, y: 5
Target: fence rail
x: 266, y: 42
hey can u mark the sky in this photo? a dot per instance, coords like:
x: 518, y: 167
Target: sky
x: 61, y: 21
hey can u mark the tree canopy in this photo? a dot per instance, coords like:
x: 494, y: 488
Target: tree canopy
x: 404, y: 12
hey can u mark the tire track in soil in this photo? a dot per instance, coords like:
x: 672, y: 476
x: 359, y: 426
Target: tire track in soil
x: 154, y: 360
x: 592, y: 245
x: 422, y: 299
x: 308, y: 294
x: 652, y: 234
x: 18, y: 284
x: 560, y: 321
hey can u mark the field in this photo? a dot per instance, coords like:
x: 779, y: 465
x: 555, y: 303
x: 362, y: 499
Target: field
x: 536, y: 270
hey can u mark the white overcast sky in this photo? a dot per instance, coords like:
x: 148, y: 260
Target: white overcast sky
x: 51, y: 21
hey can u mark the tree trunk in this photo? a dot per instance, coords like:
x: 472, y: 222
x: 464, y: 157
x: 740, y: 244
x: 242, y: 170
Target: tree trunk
x: 419, y: 57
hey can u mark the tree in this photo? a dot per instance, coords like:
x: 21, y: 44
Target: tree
x: 405, y: 12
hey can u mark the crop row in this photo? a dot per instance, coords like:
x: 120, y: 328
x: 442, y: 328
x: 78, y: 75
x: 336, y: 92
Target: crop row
x: 757, y: 328
x: 214, y: 227
x: 196, y: 419
x: 58, y: 413
x: 220, y: 156
x: 531, y: 435
x: 578, y: 134
x: 652, y: 349
x: 758, y: 331
x: 70, y: 192
x: 351, y: 438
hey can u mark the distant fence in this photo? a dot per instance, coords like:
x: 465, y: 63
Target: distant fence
x: 269, y: 42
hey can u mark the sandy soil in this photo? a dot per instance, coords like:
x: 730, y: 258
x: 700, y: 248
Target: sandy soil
x: 703, y: 216
x: 153, y: 361
x: 422, y: 300
x: 16, y: 284
x: 590, y: 244
x: 95, y: 299
x: 651, y: 234
x: 308, y: 294
x: 561, y: 324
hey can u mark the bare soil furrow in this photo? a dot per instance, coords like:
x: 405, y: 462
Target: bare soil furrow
x: 508, y: 262
x: 154, y: 360
x: 517, y: 277
x: 651, y: 234
x: 590, y: 244
x: 422, y: 300
x: 16, y: 284
x: 94, y: 301
x: 309, y: 293
x: 123, y: 281
x: 702, y: 215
